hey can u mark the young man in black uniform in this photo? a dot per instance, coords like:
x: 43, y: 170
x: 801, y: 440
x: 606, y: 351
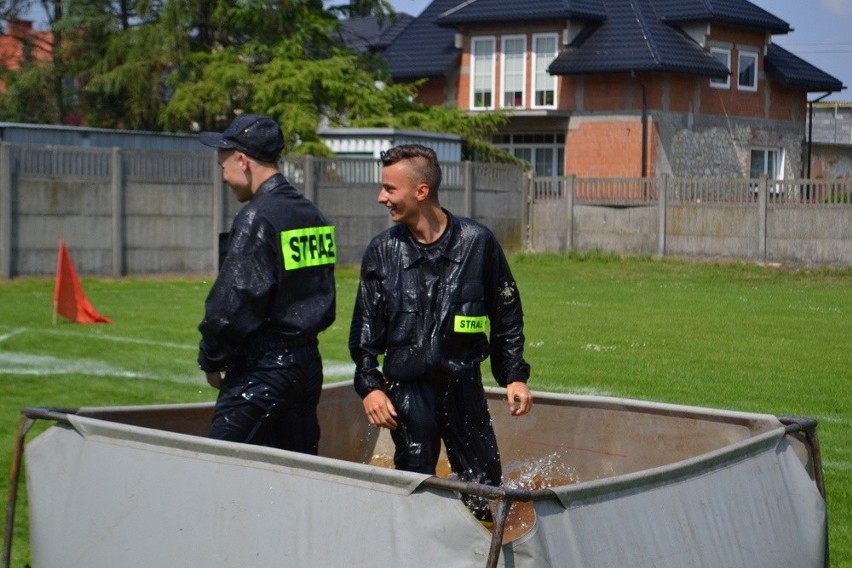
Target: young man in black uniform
x: 430, y: 287
x: 273, y: 295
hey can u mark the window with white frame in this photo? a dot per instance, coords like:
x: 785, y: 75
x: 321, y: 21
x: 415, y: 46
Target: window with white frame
x: 545, y: 152
x: 767, y: 162
x: 747, y: 71
x: 482, y: 66
x: 724, y: 57
x: 514, y: 70
x: 544, y: 84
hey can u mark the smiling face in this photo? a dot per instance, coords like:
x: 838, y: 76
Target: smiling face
x: 402, y: 193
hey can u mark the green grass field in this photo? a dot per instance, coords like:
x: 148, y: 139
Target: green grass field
x: 731, y: 336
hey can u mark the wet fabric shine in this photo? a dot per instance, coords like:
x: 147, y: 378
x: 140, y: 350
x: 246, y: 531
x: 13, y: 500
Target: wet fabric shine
x: 453, y: 409
x: 253, y: 294
x: 390, y: 319
x: 271, y: 401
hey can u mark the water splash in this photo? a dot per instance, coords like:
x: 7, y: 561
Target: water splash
x: 547, y: 471
x: 550, y: 470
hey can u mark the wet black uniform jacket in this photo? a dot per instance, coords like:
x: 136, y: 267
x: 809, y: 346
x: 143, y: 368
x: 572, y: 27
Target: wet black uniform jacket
x: 389, y: 316
x: 254, y: 298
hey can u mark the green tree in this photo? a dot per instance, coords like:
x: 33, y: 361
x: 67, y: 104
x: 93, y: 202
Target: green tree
x: 28, y: 76
x: 79, y: 32
x: 126, y: 85
x: 23, y: 86
x: 184, y: 65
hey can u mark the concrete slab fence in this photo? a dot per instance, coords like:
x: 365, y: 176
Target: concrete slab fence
x: 147, y: 212
x: 140, y: 212
x: 796, y: 222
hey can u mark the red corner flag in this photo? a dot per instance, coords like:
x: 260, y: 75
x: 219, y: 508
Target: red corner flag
x: 68, y: 297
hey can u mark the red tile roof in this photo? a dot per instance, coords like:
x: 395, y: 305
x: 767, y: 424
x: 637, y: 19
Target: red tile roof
x: 21, y: 41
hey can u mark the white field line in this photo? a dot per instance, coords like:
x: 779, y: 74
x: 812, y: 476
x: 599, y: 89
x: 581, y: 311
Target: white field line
x: 841, y: 465
x: 43, y: 365
x: 25, y: 364
x: 588, y: 391
x: 834, y: 419
x: 116, y: 338
x: 337, y: 369
x: 12, y: 333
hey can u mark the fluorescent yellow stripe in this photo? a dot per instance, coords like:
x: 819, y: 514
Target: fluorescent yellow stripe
x: 469, y: 324
x: 311, y: 246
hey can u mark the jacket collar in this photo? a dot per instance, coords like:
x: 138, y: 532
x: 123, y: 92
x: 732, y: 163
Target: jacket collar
x: 273, y: 182
x: 411, y: 252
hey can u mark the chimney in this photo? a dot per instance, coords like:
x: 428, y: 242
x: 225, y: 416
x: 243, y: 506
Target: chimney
x: 19, y: 28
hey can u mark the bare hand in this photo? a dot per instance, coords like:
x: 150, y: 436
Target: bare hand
x: 214, y: 379
x: 380, y: 410
x: 519, y: 397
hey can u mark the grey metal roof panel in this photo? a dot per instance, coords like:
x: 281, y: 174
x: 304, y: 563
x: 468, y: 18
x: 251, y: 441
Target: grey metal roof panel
x: 740, y: 13
x: 424, y: 49
x: 634, y: 39
x: 491, y: 11
x: 792, y: 71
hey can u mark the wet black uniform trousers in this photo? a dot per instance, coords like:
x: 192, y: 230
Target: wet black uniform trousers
x: 271, y: 399
x: 453, y: 409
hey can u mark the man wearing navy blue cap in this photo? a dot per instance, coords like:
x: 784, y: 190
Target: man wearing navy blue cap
x: 274, y: 294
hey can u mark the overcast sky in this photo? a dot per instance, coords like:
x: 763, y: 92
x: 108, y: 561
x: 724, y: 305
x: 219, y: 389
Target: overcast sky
x: 820, y: 34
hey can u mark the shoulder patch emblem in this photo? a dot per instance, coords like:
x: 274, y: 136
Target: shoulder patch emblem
x: 507, y: 293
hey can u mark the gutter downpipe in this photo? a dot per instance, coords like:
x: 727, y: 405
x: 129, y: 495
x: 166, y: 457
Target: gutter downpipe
x: 644, y: 123
x: 811, y: 129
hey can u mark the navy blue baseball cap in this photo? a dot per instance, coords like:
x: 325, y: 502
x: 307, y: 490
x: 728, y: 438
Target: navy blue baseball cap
x: 258, y: 137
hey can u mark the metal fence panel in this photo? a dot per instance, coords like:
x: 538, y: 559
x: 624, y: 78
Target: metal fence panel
x: 615, y: 190
x: 350, y: 171
x: 631, y: 191
x: 166, y: 167
x: 711, y: 190
x: 61, y: 162
x: 811, y: 191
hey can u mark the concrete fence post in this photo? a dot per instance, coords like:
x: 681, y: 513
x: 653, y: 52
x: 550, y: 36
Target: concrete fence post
x: 310, y: 190
x: 762, y: 200
x: 569, y: 188
x: 526, y: 204
x: 467, y: 175
x: 662, y: 200
x: 119, y: 238
x: 217, y: 210
x: 5, y: 211
x: 528, y: 213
